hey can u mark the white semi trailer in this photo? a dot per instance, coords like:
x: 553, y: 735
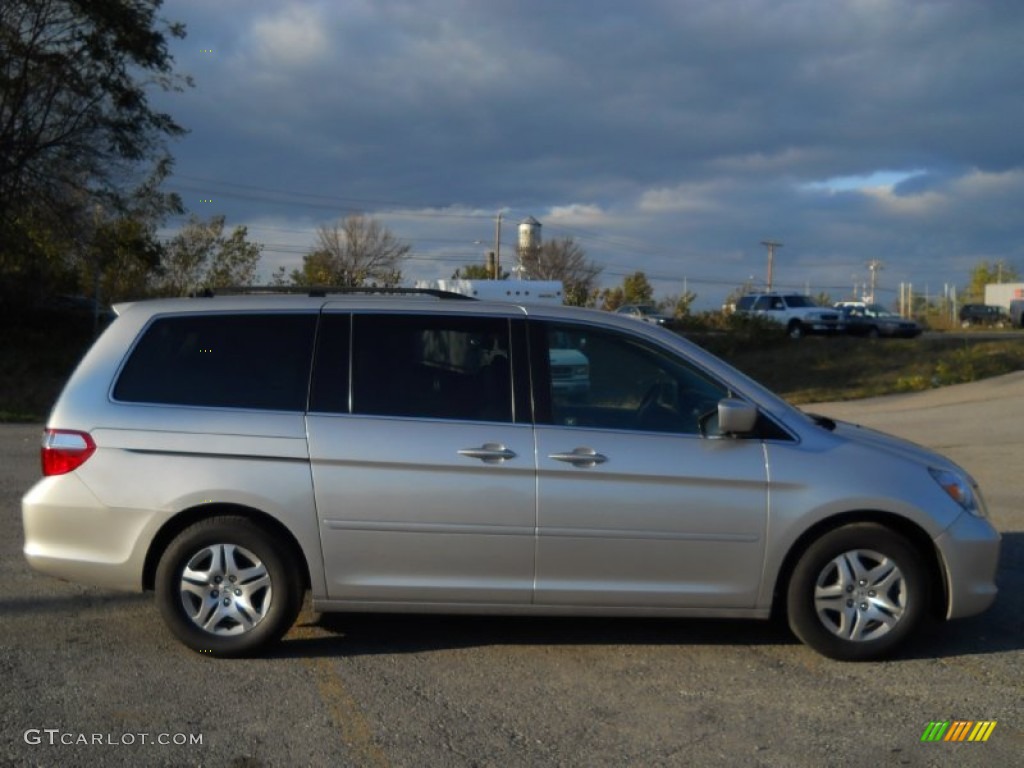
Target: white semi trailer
x: 527, y: 291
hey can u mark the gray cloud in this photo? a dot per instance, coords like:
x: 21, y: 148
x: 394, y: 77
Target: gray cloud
x: 666, y: 136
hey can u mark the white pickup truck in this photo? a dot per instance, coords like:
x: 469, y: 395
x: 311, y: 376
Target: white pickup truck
x: 796, y: 312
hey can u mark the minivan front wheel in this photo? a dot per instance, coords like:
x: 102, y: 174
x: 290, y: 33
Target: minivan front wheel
x: 226, y: 588
x: 857, y: 592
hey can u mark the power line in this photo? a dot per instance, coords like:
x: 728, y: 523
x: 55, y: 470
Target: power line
x: 335, y: 203
x: 312, y: 200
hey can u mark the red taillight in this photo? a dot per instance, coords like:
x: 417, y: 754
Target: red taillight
x: 65, y: 450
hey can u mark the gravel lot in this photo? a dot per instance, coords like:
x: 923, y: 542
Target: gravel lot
x: 85, y: 665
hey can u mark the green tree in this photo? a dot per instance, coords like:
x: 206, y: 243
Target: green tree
x: 636, y: 289
x: 235, y: 260
x: 612, y: 298
x: 201, y: 256
x: 75, y: 121
x: 120, y: 259
x: 564, y: 259
x: 117, y: 252
x: 353, y: 252
x: 678, y: 306
x: 988, y: 273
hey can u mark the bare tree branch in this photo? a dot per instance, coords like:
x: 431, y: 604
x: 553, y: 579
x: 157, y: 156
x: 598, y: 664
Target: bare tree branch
x: 564, y: 260
x: 353, y: 252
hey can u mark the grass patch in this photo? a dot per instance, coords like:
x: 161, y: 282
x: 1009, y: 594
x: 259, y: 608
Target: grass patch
x: 817, y: 369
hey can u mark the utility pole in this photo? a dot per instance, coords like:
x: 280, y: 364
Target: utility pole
x: 875, y: 266
x: 771, y: 245
x: 497, y: 247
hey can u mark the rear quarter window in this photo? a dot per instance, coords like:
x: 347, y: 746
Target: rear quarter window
x: 257, y: 361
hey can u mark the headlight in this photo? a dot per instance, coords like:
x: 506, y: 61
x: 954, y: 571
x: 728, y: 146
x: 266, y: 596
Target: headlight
x: 959, y: 489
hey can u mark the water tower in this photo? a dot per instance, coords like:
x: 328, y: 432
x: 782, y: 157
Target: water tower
x: 529, y: 240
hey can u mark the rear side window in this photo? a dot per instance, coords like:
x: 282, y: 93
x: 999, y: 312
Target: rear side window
x: 224, y: 361
x: 432, y: 366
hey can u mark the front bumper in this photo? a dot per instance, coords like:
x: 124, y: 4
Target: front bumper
x: 826, y: 328
x: 969, y: 550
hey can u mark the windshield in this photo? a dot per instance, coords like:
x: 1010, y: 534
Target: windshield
x: 879, y: 311
x: 800, y: 301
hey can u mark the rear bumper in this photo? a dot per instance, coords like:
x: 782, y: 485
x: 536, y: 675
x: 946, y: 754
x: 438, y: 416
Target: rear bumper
x: 70, y: 535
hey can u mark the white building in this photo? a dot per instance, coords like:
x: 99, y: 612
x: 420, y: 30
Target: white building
x: 1001, y: 294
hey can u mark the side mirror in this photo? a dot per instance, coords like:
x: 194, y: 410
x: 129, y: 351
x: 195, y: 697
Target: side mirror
x: 734, y: 417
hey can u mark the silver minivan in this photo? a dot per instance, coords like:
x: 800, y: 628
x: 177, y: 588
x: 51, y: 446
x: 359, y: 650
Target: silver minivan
x: 417, y: 454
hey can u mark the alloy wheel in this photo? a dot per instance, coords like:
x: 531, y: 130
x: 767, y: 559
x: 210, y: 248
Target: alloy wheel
x: 225, y: 589
x: 860, y: 595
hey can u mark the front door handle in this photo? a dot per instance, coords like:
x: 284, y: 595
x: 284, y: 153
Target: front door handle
x: 580, y: 457
x: 489, y: 453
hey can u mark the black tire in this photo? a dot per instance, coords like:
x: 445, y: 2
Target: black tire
x: 795, y: 330
x: 846, y: 618
x: 243, y: 592
x: 873, y: 332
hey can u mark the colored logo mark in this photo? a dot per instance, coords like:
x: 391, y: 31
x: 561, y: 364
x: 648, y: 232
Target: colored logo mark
x: 958, y: 730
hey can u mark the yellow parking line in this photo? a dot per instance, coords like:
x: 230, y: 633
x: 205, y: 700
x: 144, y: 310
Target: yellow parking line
x: 355, y: 730
x: 345, y: 713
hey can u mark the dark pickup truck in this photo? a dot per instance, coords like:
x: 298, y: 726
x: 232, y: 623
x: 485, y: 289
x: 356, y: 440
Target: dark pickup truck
x: 983, y: 314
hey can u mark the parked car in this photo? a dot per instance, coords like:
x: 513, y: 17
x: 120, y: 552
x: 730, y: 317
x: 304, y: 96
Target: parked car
x: 1017, y: 313
x: 417, y: 454
x: 799, y: 314
x: 874, y: 321
x: 646, y: 312
x: 570, y: 371
x: 982, y: 314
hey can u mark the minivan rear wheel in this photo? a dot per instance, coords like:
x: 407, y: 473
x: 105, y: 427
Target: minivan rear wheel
x: 227, y: 588
x: 857, y: 592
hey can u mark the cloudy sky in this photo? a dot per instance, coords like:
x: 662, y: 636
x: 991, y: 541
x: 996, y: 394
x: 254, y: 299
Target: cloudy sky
x: 670, y: 136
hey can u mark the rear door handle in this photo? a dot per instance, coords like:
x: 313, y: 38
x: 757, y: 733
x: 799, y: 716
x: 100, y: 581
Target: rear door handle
x: 489, y: 453
x: 580, y: 457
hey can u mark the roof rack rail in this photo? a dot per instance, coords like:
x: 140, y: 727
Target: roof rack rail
x: 321, y: 291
